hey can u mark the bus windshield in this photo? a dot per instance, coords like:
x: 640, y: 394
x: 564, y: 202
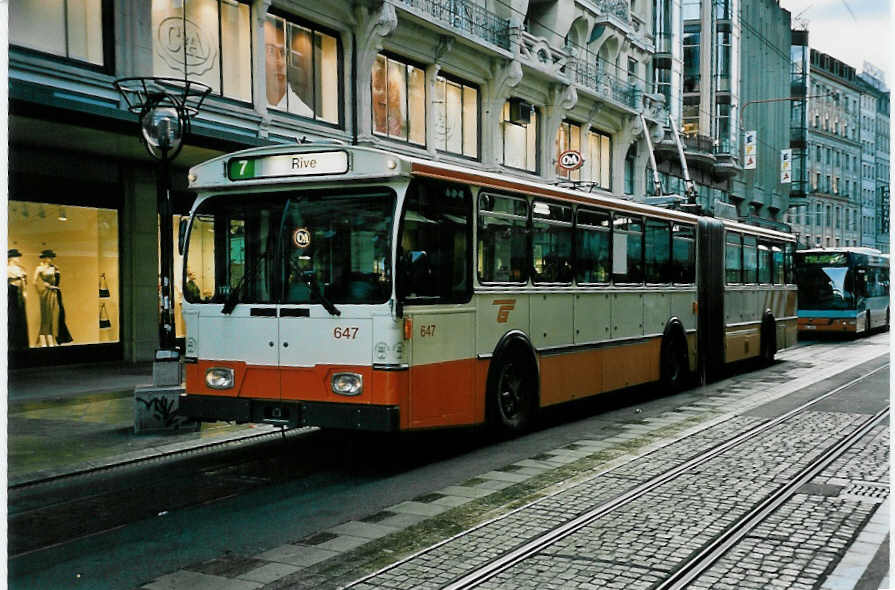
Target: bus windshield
x: 826, y: 287
x: 292, y: 247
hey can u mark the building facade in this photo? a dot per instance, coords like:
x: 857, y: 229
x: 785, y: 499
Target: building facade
x: 501, y: 86
x: 847, y: 159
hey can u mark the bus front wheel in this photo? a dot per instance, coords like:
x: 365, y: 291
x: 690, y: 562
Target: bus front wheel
x: 513, y: 395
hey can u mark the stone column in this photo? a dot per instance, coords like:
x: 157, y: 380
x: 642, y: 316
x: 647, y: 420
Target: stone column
x: 562, y: 99
x: 373, y: 25
x: 505, y: 76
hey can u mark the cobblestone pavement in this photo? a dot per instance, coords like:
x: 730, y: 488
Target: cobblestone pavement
x: 630, y: 548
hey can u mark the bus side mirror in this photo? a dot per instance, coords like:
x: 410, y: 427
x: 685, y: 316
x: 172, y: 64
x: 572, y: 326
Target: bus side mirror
x: 181, y: 234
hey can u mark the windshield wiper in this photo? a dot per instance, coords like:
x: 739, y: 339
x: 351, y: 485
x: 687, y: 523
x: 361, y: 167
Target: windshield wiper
x: 235, y: 292
x: 311, y: 281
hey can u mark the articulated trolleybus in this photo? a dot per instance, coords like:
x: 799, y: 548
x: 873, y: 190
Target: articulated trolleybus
x: 843, y: 290
x: 353, y: 288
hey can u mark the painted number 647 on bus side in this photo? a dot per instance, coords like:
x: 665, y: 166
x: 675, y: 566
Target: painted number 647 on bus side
x: 347, y: 333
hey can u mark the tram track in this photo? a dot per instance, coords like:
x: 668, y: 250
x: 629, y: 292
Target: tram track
x: 692, y: 567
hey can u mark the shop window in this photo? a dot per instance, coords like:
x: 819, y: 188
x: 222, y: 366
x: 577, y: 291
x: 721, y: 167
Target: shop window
x: 218, y: 44
x: 456, y: 117
x: 502, y: 240
x: 63, y: 275
x: 568, y: 137
x: 551, y: 243
x: 302, y: 70
x: 520, y: 135
x: 399, y: 100
x: 592, y: 235
x: 72, y: 29
x: 627, y: 249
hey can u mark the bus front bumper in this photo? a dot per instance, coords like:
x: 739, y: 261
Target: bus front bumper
x: 210, y: 408
x: 827, y: 325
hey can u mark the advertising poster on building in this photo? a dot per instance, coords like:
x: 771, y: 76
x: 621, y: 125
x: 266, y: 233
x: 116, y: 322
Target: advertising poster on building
x: 786, y: 166
x: 749, y: 153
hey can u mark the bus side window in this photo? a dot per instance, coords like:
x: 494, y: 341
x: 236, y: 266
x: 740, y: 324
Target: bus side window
x: 434, y: 242
x: 777, y: 252
x: 592, y: 236
x: 733, y: 258
x: 764, y: 264
x: 502, y: 239
x: 627, y: 249
x: 551, y: 243
x: 750, y: 259
x: 683, y: 254
x: 656, y: 252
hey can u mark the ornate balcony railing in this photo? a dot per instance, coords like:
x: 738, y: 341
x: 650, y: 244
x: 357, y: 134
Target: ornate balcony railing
x: 605, y: 79
x: 466, y: 17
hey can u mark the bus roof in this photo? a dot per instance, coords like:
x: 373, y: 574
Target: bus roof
x: 324, y: 162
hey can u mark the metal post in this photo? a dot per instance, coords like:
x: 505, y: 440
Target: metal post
x: 167, y: 347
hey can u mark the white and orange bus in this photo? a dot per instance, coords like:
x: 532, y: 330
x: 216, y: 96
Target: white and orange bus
x: 353, y: 288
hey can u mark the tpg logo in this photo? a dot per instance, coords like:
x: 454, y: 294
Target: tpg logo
x: 503, y: 312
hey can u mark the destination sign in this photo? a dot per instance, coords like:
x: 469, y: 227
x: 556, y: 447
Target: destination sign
x: 831, y: 259
x: 303, y: 164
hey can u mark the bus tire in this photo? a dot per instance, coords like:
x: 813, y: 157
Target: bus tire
x: 674, y: 367
x: 768, y: 346
x: 868, y: 327
x: 513, y: 394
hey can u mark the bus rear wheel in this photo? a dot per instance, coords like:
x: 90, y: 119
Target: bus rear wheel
x: 513, y: 396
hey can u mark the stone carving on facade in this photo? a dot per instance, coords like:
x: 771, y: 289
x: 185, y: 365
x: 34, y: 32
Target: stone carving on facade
x: 616, y: 8
x: 505, y: 75
x: 538, y: 53
x: 375, y: 22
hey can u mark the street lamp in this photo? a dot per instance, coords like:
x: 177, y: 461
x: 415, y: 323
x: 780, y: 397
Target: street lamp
x: 164, y: 107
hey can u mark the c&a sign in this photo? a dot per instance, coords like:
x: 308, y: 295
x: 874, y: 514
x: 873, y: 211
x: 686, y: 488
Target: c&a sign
x: 182, y: 42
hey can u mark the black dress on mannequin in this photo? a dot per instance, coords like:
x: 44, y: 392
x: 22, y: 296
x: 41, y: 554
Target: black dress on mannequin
x: 17, y: 325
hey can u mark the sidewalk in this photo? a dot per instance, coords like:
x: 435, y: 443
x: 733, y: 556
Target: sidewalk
x: 68, y: 419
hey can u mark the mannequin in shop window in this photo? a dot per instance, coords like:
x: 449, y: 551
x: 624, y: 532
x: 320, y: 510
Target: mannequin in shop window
x: 17, y: 278
x: 53, y: 330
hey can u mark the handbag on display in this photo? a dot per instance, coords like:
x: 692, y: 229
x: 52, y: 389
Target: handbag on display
x: 104, y: 321
x: 103, y: 286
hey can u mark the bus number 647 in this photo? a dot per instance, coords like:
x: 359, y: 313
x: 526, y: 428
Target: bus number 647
x: 345, y: 333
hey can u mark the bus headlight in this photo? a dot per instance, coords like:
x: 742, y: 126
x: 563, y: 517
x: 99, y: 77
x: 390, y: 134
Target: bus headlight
x: 219, y: 378
x: 348, y: 383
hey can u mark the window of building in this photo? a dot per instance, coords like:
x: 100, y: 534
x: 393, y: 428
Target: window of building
x: 72, y: 29
x: 829, y: 217
x: 723, y: 58
x: 456, y: 108
x: 630, y: 159
x: 302, y: 69
x: 627, y: 249
x: 502, y: 240
x: 592, y: 235
x: 597, y: 162
x: 632, y: 70
x: 520, y: 136
x: 778, y: 266
x: 568, y: 137
x: 691, y: 58
x: 218, y: 48
x: 551, y: 243
x: 399, y: 100
x: 57, y: 256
